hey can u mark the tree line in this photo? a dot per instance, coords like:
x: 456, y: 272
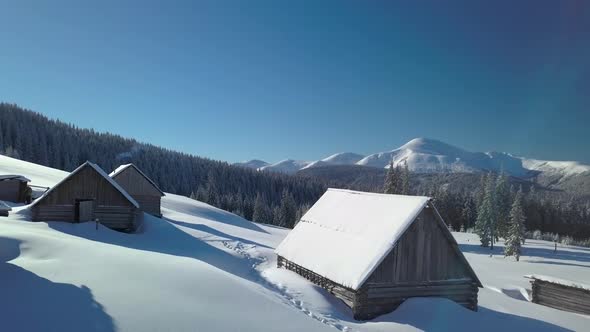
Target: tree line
x: 461, y: 206
x: 261, y: 196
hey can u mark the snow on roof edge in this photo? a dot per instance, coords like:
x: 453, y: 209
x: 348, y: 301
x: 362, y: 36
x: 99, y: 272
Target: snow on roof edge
x: 14, y: 176
x: 119, y: 169
x: 101, y: 172
x: 366, y: 193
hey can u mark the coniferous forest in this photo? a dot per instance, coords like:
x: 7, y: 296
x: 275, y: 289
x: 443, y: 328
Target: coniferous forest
x: 32, y: 137
x: 275, y: 198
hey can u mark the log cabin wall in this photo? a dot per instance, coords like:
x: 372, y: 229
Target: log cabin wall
x: 13, y: 190
x: 423, y: 253
x: 561, y: 297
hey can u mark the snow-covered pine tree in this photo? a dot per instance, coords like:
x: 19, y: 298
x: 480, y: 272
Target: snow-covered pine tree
x: 262, y: 213
x: 503, y: 205
x: 405, y: 180
x: 287, y: 210
x: 481, y: 190
x: 467, y: 213
x: 486, y: 214
x: 391, y: 180
x: 516, y: 229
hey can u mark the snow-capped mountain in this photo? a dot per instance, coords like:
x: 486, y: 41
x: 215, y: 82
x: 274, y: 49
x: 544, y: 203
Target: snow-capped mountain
x: 426, y: 155
x: 254, y: 163
x: 288, y: 166
x: 344, y: 158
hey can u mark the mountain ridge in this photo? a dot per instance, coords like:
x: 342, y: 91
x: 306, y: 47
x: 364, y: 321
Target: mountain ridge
x: 426, y: 155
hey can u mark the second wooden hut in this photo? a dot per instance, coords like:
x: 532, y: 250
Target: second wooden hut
x: 140, y: 187
x: 373, y: 251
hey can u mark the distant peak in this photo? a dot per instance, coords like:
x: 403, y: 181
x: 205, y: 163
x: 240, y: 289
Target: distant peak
x: 430, y: 145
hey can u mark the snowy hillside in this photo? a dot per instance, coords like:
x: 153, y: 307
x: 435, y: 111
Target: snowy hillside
x: 203, y: 269
x: 426, y: 155
x: 564, y: 168
x: 288, y: 166
x: 254, y: 164
x: 344, y: 158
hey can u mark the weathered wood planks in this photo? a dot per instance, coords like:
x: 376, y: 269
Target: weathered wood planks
x: 561, y: 297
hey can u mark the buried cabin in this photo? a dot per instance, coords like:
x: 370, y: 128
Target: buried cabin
x: 88, y: 194
x: 560, y: 294
x: 14, y: 188
x: 140, y: 187
x: 373, y: 251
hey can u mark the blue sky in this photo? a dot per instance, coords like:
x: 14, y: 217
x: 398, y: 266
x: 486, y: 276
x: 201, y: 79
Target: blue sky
x: 236, y: 80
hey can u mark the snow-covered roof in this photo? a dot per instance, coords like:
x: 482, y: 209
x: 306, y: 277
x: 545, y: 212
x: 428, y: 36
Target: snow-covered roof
x: 559, y: 281
x: 99, y: 171
x: 14, y: 177
x: 121, y: 168
x: 346, y: 234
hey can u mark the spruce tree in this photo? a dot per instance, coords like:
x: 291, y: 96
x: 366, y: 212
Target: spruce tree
x: 467, y: 213
x: 262, y: 213
x: 405, y: 180
x: 486, y: 215
x: 391, y: 180
x: 287, y: 210
x: 503, y: 204
x: 516, y: 229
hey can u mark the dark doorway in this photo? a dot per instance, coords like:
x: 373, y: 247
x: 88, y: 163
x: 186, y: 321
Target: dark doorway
x: 84, y: 210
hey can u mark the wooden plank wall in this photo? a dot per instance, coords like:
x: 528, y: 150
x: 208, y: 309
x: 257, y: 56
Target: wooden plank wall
x: 11, y: 190
x: 561, y: 297
x: 149, y: 204
x: 148, y: 197
x: 377, y: 299
x: 423, y: 253
x: 135, y: 184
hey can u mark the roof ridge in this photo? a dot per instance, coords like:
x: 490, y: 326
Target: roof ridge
x: 368, y: 193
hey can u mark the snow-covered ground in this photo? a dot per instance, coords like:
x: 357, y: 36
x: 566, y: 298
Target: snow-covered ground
x: 203, y: 269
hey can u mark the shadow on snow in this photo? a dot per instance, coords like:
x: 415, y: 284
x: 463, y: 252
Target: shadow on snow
x: 32, y: 303
x: 212, y: 213
x: 162, y: 236
x: 213, y: 231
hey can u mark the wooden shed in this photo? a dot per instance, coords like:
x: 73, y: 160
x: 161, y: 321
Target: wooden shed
x: 140, y: 187
x: 561, y: 294
x: 88, y: 194
x: 373, y: 251
x: 14, y: 188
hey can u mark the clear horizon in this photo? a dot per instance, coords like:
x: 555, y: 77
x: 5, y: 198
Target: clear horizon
x: 277, y: 80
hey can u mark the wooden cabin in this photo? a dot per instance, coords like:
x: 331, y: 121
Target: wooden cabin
x: 373, y: 251
x: 140, y: 187
x: 88, y: 194
x: 560, y: 294
x: 14, y: 188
